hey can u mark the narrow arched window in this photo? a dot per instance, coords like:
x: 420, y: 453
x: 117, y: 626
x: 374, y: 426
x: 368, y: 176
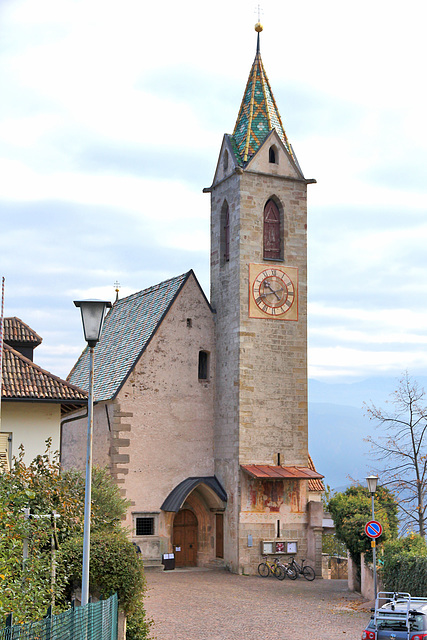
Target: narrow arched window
x: 203, y: 365
x: 272, y: 155
x: 225, y: 233
x: 272, y: 235
x: 225, y: 160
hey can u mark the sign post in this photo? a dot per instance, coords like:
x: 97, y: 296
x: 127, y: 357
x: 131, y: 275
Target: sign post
x: 373, y: 530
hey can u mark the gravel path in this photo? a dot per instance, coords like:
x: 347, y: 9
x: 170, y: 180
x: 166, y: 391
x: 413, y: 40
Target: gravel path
x: 198, y: 604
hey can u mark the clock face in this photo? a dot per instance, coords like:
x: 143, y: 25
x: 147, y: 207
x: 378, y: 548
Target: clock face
x: 273, y: 292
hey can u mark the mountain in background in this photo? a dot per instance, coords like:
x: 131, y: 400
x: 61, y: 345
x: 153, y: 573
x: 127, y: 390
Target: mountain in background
x: 338, y: 424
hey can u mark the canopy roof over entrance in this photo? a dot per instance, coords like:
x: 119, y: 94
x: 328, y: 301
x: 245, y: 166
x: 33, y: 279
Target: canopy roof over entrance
x: 209, y: 486
x: 272, y: 472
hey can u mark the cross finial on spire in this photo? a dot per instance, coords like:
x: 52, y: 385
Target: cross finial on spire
x: 117, y: 289
x: 258, y: 26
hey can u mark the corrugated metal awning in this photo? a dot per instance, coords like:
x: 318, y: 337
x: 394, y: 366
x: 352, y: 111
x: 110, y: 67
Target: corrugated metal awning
x: 272, y: 472
x: 177, y: 496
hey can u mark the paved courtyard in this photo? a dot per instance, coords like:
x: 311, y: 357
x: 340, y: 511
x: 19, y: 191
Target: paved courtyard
x: 197, y: 604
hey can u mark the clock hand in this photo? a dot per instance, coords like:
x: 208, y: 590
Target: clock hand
x: 265, y: 295
x: 267, y: 284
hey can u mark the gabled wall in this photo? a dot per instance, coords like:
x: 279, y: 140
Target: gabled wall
x: 159, y: 429
x: 168, y: 409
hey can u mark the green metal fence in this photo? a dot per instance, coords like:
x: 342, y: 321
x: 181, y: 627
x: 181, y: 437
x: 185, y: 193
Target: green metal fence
x: 94, y: 621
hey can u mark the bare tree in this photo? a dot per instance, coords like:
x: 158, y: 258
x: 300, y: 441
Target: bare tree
x: 402, y: 451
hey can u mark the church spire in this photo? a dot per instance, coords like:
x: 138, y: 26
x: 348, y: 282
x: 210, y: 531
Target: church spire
x: 258, y: 113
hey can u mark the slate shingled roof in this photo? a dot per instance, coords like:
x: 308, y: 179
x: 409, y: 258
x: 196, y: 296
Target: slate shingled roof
x: 24, y: 380
x: 128, y: 328
x: 17, y: 332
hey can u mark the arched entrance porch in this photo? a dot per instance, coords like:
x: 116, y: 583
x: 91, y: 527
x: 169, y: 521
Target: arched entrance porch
x: 190, y: 509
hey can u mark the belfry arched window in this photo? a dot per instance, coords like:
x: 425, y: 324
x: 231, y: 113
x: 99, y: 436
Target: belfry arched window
x: 272, y: 232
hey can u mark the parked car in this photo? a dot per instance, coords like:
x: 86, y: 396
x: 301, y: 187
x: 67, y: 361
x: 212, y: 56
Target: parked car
x: 402, y: 617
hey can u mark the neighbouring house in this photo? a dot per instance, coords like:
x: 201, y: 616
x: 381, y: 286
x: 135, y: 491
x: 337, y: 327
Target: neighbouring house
x: 33, y: 401
x: 201, y: 406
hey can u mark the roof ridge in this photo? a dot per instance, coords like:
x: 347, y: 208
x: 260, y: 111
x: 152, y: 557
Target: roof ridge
x: 154, y: 287
x: 40, y: 369
x: 18, y: 322
x: 128, y: 329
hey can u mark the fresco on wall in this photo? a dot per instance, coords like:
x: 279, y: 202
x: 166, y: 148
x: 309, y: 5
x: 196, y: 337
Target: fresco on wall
x: 268, y: 495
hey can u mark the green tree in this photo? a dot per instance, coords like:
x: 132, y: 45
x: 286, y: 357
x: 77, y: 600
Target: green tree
x: 31, y: 496
x: 351, y: 510
x: 402, y: 451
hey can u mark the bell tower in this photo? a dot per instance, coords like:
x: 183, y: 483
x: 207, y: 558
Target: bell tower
x: 259, y: 295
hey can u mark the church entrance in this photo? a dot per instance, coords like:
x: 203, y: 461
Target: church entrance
x: 185, y: 529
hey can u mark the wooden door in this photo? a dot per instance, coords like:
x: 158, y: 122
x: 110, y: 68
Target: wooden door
x: 219, y: 535
x: 185, y: 539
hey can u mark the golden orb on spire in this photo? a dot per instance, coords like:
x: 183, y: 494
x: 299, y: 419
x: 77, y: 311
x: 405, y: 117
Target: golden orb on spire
x: 258, y: 27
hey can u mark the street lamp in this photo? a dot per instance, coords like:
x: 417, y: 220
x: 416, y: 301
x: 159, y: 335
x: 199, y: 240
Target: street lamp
x: 92, y: 317
x: 372, y: 487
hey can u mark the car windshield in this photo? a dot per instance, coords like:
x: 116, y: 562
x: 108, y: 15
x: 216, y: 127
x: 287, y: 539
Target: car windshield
x: 416, y: 623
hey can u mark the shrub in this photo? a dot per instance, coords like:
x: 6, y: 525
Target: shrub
x: 405, y: 565
x: 114, y: 566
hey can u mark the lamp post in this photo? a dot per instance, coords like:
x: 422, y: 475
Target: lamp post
x: 372, y: 487
x: 92, y: 318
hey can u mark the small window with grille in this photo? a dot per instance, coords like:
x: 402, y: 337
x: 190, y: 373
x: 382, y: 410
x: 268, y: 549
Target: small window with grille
x: 144, y: 526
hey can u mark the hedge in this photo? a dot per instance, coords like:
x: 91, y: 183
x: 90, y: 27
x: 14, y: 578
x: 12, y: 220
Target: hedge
x: 407, y: 574
x: 405, y: 565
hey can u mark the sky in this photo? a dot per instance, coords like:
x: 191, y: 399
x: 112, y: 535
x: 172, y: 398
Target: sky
x: 111, y: 120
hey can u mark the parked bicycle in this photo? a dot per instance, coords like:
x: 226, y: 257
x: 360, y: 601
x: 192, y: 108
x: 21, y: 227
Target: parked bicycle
x: 271, y: 567
x: 290, y: 572
x: 302, y: 569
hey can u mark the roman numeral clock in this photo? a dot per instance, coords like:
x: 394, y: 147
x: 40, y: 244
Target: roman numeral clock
x: 273, y: 292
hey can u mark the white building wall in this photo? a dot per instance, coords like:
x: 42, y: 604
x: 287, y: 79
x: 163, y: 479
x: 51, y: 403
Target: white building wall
x: 31, y: 424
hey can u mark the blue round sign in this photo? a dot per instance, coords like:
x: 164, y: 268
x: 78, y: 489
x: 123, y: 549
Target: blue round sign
x: 373, y: 529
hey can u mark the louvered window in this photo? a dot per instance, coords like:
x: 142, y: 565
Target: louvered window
x: 5, y: 439
x: 225, y: 234
x: 272, y: 240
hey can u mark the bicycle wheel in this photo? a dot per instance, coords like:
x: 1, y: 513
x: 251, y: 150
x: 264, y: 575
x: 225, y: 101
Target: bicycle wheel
x: 308, y: 573
x: 263, y: 570
x: 291, y: 573
x: 278, y: 571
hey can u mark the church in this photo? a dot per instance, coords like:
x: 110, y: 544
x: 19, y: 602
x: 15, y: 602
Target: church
x: 201, y: 410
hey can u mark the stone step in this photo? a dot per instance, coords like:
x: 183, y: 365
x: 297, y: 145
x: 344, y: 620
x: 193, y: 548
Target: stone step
x: 153, y: 564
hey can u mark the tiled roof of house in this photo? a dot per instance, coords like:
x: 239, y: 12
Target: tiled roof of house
x: 314, y: 484
x: 17, y: 332
x: 128, y: 328
x: 24, y: 380
x: 258, y: 115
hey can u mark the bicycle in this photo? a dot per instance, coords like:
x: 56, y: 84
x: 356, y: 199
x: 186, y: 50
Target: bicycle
x: 290, y: 572
x: 304, y: 570
x: 273, y: 567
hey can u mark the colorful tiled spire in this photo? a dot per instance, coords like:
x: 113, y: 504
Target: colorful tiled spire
x: 258, y: 113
